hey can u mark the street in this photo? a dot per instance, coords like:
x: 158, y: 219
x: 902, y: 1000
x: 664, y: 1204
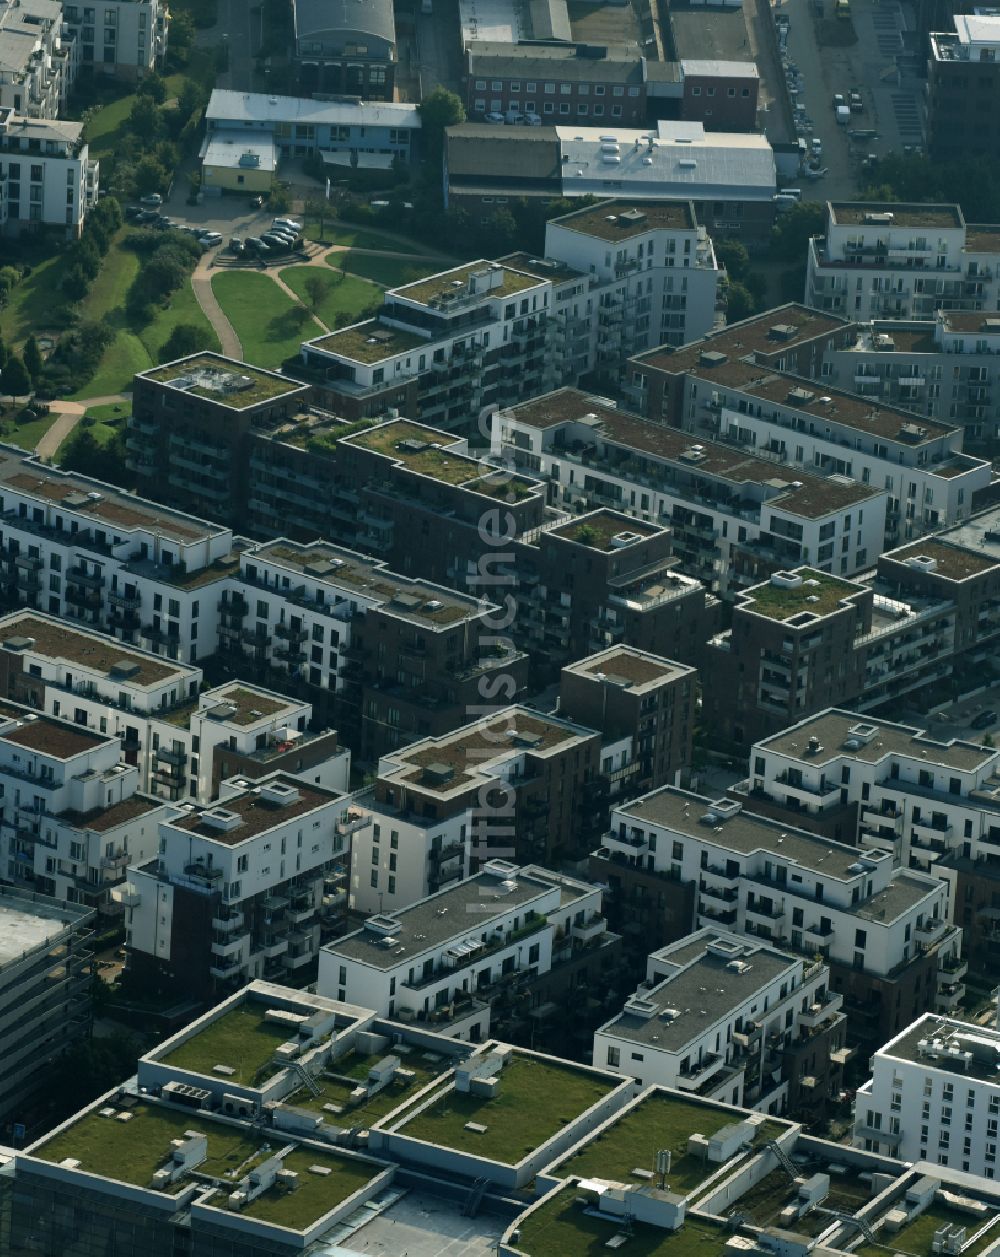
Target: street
x: 239, y: 27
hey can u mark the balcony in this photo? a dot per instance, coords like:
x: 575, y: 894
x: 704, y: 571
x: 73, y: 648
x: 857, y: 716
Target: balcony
x: 824, y: 931
x: 227, y: 925
x: 727, y: 895
x: 290, y: 633
x: 822, y: 1011
x: 589, y: 930
x: 352, y: 821
x: 275, y: 947
x: 770, y: 913
x: 116, y: 862
x: 716, y: 916
x: 171, y: 756
x: 932, y: 931
x: 951, y: 969
x: 949, y: 998
x: 226, y: 967
x: 126, y: 601
x: 229, y: 947
x: 81, y: 576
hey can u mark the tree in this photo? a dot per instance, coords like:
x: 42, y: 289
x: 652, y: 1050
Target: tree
x: 791, y: 233
x: 439, y: 109
x: 315, y: 286
x: 145, y: 120
x: 185, y: 339
x: 733, y: 255
x: 154, y: 87
x: 33, y: 358
x: 181, y: 34
x: 74, y: 283
x: 277, y: 199
x: 150, y: 176
x: 499, y: 232
x: 739, y: 303
x: 318, y: 207
x: 14, y: 379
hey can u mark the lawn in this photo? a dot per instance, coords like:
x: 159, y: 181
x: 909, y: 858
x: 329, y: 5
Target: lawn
x: 915, y: 1239
x: 356, y: 1068
x: 388, y: 272
x: 778, y: 603
x: 132, y: 1151
x: 27, y: 435
x: 315, y: 1195
x: 344, y: 298
x: 33, y: 302
x: 265, y: 319
x: 241, y: 1039
x: 561, y: 1228
x: 359, y: 237
x: 105, y: 127
x: 108, y: 423
x: 535, y: 1101
x: 658, y: 1122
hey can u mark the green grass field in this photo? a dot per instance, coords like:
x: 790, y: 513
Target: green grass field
x: 345, y: 298
x: 32, y: 303
x: 108, y: 423
x: 106, y: 126
x: 270, y: 325
x: 27, y: 435
x: 388, y: 272
x: 359, y: 237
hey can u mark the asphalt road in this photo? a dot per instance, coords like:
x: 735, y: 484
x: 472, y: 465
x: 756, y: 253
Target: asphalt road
x: 239, y: 27
x: 956, y: 720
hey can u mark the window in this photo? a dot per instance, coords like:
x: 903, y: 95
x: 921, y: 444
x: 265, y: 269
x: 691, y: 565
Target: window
x: 614, y: 1056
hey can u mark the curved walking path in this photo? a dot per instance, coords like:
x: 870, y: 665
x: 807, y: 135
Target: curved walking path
x: 69, y: 415
x: 201, y: 283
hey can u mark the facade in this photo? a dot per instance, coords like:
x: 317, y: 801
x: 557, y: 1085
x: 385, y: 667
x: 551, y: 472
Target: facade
x: 345, y: 49
x: 37, y: 63
x: 962, y: 87
x: 923, y: 1080
x: 50, y: 180
x: 770, y: 1038
x: 241, y: 890
x: 894, y: 261
x: 121, y: 37
x: 367, y: 133
x: 458, y: 960
x: 713, y: 389
x: 723, y: 95
x: 883, y: 932
x: 721, y: 504
x: 45, y: 980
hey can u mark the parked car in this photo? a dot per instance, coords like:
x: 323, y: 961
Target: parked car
x: 838, y: 100
x: 290, y: 223
x: 254, y: 244
x: 132, y: 212
x: 817, y: 146
x: 151, y: 198
x: 210, y: 237
x: 257, y: 202
x: 857, y: 105
x: 495, y: 119
x: 528, y: 120
x: 235, y: 244
x: 277, y: 244
x: 984, y: 720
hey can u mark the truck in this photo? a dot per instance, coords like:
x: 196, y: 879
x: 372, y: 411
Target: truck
x: 843, y: 115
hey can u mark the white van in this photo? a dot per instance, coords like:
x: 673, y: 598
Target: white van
x: 794, y: 193
x: 783, y: 202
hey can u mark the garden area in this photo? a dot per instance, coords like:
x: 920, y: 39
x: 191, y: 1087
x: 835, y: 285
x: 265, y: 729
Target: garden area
x: 270, y: 325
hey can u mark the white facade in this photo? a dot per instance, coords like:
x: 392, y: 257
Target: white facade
x: 661, y: 1038
x: 71, y: 815
x: 655, y: 284
x: 37, y: 68
x: 901, y: 262
x: 934, y: 1096
x: 124, y: 37
x: 757, y: 876
x: 46, y: 174
x: 442, y: 959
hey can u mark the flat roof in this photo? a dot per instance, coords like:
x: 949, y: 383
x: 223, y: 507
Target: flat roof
x: 701, y: 994
x: 256, y: 813
x: 249, y: 703
x: 832, y: 728
x: 983, y: 1063
x: 622, y: 220
x: 430, y: 290
x: 734, y: 69
x: 953, y: 562
x: 240, y: 150
x: 621, y: 64
x: 982, y: 238
x: 100, y: 820
x: 29, y: 922
x: 542, y: 267
x: 771, y: 332
x: 225, y: 381
x: 56, y: 738
x: 818, y: 595
x: 418, y: 601
x: 56, y: 640
x: 605, y: 530
x: 745, y: 832
x: 469, y: 905
x: 798, y: 492
x: 101, y: 503
x: 857, y: 214
x: 256, y: 107
x: 979, y: 533
x: 709, y: 33
x: 630, y: 668
x: 904, y: 892
x: 369, y: 341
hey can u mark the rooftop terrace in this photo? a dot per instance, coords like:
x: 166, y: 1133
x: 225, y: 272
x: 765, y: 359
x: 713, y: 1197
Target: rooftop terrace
x: 536, y: 1099
x: 419, y: 449
x: 635, y: 668
x: 223, y: 380
x: 369, y: 342
x: 855, y: 214
x: 623, y: 220
x: 605, y: 530
x: 431, y: 290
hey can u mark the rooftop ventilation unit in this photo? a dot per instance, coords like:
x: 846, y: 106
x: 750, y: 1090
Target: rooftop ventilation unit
x: 279, y: 792
x: 383, y: 925
x: 221, y: 818
x: 712, y: 358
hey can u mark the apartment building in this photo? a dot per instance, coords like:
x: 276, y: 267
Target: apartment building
x: 933, y: 1096
x: 557, y: 82
x: 896, y: 261
x: 962, y: 86
x: 728, y: 1018
x: 654, y: 277
x: 45, y: 981
x: 883, y: 932
x: 391, y: 659
x: 73, y: 814
x: 441, y: 349
x: 939, y: 368
x: 46, y: 173
x: 239, y: 890
x: 644, y: 706
x: 727, y: 511
x: 192, y: 423
x: 37, y: 63
x: 345, y: 49
x: 126, y: 38
x: 459, y: 960
x: 781, y: 417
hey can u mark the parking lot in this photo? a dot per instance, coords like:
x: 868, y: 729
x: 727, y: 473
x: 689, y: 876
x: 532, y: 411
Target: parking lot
x: 958, y: 720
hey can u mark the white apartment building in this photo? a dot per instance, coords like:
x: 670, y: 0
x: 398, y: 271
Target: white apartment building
x: 897, y: 261
x: 46, y: 175
x: 934, y: 1095
x: 86, y: 551
x: 443, y: 960
x: 941, y: 368
x: 816, y: 893
x: 653, y: 274
x: 37, y: 67
x: 127, y: 38
x: 72, y: 817
x: 717, y: 501
x: 239, y: 890
x: 715, y: 1016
